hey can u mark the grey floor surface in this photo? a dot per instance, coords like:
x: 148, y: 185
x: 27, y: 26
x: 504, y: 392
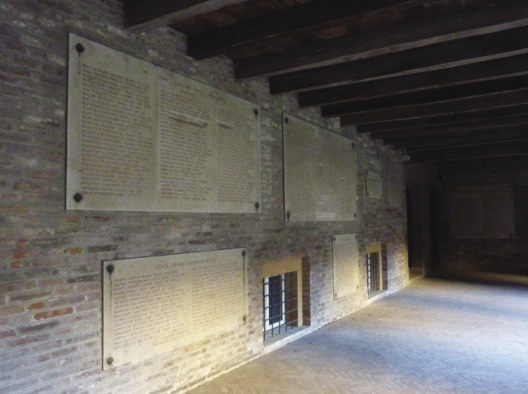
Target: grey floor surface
x: 434, y: 336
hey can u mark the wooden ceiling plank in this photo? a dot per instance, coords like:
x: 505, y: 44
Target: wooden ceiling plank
x: 490, y: 101
x: 464, y: 49
x: 446, y: 120
x: 450, y: 140
x: 482, y: 125
x: 379, y: 41
x: 475, y: 72
x: 497, y: 131
x: 427, y: 96
x: 470, y: 151
x: 305, y: 18
x: 143, y: 14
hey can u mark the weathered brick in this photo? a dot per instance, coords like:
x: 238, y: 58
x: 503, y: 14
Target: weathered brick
x: 53, y: 313
x: 36, y: 305
x: 29, y: 340
x: 7, y: 334
x: 38, y: 327
x: 58, y: 252
x: 11, y: 310
x: 28, y: 296
x: 84, y: 278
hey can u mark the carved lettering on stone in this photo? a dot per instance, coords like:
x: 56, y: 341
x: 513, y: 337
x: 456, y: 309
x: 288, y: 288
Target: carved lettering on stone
x: 320, y: 175
x: 155, y: 304
x: 346, y: 265
x: 145, y: 139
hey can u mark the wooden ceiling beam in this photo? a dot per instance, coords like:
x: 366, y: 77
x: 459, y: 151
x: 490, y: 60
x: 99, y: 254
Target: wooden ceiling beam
x: 444, y: 53
x: 143, y: 14
x: 427, y: 96
x: 443, y: 141
x: 428, y: 30
x: 481, y: 125
x: 481, y: 71
x: 302, y: 19
x: 496, y: 131
x: 490, y: 101
x: 448, y: 119
x: 470, y: 151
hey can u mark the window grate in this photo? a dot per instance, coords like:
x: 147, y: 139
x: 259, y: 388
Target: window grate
x: 374, y: 280
x: 280, y: 311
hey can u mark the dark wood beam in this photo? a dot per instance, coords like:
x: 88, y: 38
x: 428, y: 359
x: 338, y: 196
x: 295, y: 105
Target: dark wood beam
x: 480, y: 125
x: 450, y: 140
x: 470, y: 151
x: 302, y: 19
x: 143, y: 14
x: 375, y: 42
x: 486, y: 70
x: 490, y: 101
x: 464, y: 49
x: 496, y: 131
x: 448, y: 119
x: 474, y: 89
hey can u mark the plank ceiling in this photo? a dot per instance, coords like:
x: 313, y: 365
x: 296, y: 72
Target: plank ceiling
x: 441, y: 79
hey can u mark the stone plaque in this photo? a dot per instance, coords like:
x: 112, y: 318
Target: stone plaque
x: 394, y: 190
x: 482, y: 212
x: 374, y: 185
x: 346, y: 265
x: 141, y: 138
x: 155, y: 304
x: 320, y: 173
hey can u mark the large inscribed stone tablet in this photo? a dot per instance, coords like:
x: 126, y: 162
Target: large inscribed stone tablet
x: 155, y: 304
x: 482, y: 211
x: 395, y: 190
x: 374, y: 185
x: 141, y: 138
x: 320, y: 176
x: 346, y: 265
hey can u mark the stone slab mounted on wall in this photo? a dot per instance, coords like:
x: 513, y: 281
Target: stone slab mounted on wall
x: 395, y: 189
x: 482, y: 212
x: 320, y: 173
x: 346, y: 264
x: 374, y: 185
x: 154, y: 304
x: 141, y: 138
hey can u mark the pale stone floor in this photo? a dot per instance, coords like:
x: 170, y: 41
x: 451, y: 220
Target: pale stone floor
x: 434, y: 336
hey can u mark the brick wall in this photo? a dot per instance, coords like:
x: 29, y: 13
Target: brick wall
x: 506, y: 255
x: 50, y: 259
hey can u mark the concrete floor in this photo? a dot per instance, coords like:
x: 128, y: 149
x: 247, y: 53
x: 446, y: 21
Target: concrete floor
x: 433, y: 337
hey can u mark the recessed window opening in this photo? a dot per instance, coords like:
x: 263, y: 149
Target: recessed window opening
x: 374, y: 279
x: 280, y: 304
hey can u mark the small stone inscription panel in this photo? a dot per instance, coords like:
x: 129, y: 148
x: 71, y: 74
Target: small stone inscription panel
x: 154, y: 304
x: 374, y: 185
x: 141, y: 138
x: 395, y: 190
x: 320, y: 173
x: 346, y: 265
x: 482, y: 211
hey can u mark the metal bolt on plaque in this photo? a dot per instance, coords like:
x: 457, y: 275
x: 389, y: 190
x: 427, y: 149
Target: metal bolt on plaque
x: 77, y: 197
